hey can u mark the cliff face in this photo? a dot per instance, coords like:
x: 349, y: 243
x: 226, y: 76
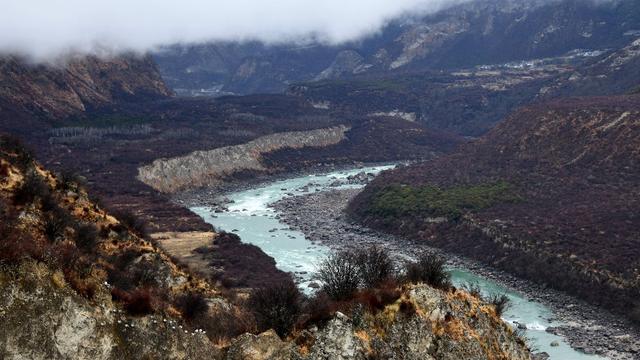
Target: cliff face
x: 58, y: 91
x: 203, y: 168
x: 549, y: 194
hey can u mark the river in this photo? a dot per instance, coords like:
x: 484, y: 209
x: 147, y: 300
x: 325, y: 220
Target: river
x: 255, y: 222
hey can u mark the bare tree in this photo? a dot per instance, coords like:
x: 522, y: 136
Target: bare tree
x: 276, y: 307
x: 340, y: 275
x: 374, y: 266
x: 429, y: 269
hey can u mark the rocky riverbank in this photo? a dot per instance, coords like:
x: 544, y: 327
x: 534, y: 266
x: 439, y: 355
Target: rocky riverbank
x: 321, y: 218
x: 201, y: 168
x: 213, y: 196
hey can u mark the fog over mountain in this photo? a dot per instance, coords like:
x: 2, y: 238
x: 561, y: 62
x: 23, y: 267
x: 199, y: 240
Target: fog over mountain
x: 44, y: 29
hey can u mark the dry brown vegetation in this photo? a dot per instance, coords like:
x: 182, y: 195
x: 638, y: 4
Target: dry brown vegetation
x: 62, y: 228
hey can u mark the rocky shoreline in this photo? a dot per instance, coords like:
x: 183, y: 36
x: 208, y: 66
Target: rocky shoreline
x: 320, y: 216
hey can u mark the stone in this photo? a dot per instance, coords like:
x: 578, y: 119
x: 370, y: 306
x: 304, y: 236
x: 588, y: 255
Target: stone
x: 265, y: 346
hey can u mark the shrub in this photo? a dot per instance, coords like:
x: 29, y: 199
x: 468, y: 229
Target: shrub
x: 136, y: 302
x: 97, y: 201
x: 401, y: 200
x: 192, y: 305
x: 69, y: 180
x: 377, y: 298
x: 12, y: 144
x: 407, y: 308
x: 55, y: 223
x: 473, y: 288
x: 276, y: 307
x: 429, y: 269
x: 500, y: 302
x: 86, y: 236
x: 120, y: 276
x: 16, y: 246
x: 79, y: 281
x: 32, y: 188
x: 223, y: 325
x: 65, y: 255
x: 132, y: 222
x: 339, y: 274
x: 4, y: 170
x: 319, y: 309
x: 374, y: 266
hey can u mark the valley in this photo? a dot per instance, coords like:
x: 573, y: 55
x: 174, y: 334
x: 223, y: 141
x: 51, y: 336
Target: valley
x: 444, y: 180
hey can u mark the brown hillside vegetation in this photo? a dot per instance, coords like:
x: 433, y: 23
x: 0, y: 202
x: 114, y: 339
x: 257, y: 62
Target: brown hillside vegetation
x: 572, y: 219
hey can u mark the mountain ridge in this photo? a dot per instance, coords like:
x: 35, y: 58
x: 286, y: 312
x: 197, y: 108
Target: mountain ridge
x: 466, y: 35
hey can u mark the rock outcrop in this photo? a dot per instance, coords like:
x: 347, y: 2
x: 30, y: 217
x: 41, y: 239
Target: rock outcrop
x: 347, y: 62
x: 77, y: 283
x: 43, y: 318
x: 202, y: 168
x: 425, y: 323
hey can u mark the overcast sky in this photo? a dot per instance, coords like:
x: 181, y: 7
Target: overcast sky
x: 45, y: 29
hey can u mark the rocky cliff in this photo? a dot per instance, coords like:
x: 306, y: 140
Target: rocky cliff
x: 44, y: 318
x: 56, y: 91
x: 202, y: 168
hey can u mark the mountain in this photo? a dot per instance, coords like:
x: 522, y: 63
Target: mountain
x: 550, y: 194
x: 481, y: 32
x: 56, y: 91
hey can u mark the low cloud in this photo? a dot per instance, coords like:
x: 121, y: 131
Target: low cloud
x: 49, y: 29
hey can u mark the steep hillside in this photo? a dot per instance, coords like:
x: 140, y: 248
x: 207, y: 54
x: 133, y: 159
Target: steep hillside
x: 473, y: 33
x: 551, y: 194
x: 77, y: 282
x: 81, y: 84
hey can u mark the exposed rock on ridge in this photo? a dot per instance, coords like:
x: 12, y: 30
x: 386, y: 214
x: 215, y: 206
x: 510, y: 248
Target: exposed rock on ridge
x: 425, y: 323
x: 202, y: 168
